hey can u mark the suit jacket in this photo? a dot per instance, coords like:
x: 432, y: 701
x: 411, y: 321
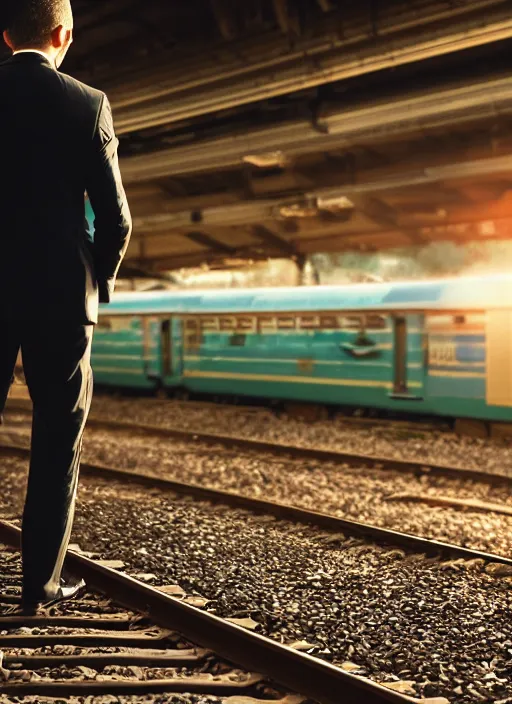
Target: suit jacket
x: 57, y: 141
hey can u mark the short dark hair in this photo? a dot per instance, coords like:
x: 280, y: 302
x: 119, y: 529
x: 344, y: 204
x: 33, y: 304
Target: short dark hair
x: 31, y: 22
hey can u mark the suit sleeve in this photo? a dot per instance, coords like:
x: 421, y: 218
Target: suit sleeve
x: 112, y: 219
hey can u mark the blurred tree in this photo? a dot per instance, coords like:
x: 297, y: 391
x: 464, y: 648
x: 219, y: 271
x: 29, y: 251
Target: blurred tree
x: 436, y: 259
x: 441, y: 258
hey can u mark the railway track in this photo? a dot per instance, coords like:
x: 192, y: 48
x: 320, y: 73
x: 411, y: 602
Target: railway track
x: 340, y: 529
x: 291, y: 451
x: 151, y: 643
x: 105, y: 637
x: 287, y: 512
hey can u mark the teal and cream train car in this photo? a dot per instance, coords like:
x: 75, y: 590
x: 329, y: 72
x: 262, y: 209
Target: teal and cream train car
x: 434, y: 347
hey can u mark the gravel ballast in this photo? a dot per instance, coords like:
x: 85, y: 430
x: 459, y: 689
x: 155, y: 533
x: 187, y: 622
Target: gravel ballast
x: 435, y: 629
x: 261, y: 424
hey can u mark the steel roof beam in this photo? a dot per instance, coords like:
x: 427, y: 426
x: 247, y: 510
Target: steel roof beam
x: 270, y: 209
x: 383, y: 215
x: 209, y: 242
x: 142, y: 106
x: 148, y: 79
x: 370, y: 123
x: 274, y: 241
x: 209, y: 257
x: 336, y: 242
x: 145, y: 82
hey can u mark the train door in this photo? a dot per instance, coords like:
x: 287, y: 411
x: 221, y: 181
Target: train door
x: 170, y: 351
x: 400, y: 356
x: 408, y: 356
x: 177, y: 348
x: 166, y: 347
x: 150, y: 328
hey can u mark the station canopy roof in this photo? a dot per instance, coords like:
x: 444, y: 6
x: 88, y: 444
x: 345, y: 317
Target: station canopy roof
x: 282, y: 128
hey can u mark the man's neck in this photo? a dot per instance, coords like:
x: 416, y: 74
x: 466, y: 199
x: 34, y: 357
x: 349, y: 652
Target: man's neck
x: 36, y: 51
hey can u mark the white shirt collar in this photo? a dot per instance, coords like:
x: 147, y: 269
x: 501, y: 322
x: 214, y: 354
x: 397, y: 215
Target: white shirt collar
x: 35, y: 51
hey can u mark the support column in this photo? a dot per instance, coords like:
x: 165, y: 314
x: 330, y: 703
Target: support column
x: 301, y: 261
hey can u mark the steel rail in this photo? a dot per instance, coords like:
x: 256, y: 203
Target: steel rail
x: 294, y: 451
x: 398, y: 425
x: 295, y: 670
x: 287, y: 512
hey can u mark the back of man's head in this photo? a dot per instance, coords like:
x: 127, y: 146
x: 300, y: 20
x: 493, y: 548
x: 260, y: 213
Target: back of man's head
x: 30, y: 23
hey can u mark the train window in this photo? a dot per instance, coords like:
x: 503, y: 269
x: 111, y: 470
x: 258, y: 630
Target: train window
x: 237, y: 340
x: 286, y: 323
x: 351, y: 322
x: 246, y: 323
x: 459, y: 319
x: 309, y: 322
x: 329, y: 322
x: 363, y: 322
x: 375, y: 322
x: 209, y: 323
x: 228, y: 323
x: 266, y: 324
x: 193, y: 337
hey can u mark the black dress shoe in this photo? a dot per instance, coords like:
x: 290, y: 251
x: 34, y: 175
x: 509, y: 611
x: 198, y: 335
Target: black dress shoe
x: 66, y: 591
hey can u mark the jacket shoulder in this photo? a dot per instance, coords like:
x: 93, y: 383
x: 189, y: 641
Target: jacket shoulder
x: 94, y: 96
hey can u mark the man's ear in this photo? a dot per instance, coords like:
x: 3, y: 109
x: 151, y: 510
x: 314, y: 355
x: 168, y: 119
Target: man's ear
x: 59, y: 35
x: 8, y: 41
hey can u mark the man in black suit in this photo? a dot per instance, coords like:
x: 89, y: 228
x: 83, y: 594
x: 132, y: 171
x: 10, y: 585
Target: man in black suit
x: 57, y: 142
